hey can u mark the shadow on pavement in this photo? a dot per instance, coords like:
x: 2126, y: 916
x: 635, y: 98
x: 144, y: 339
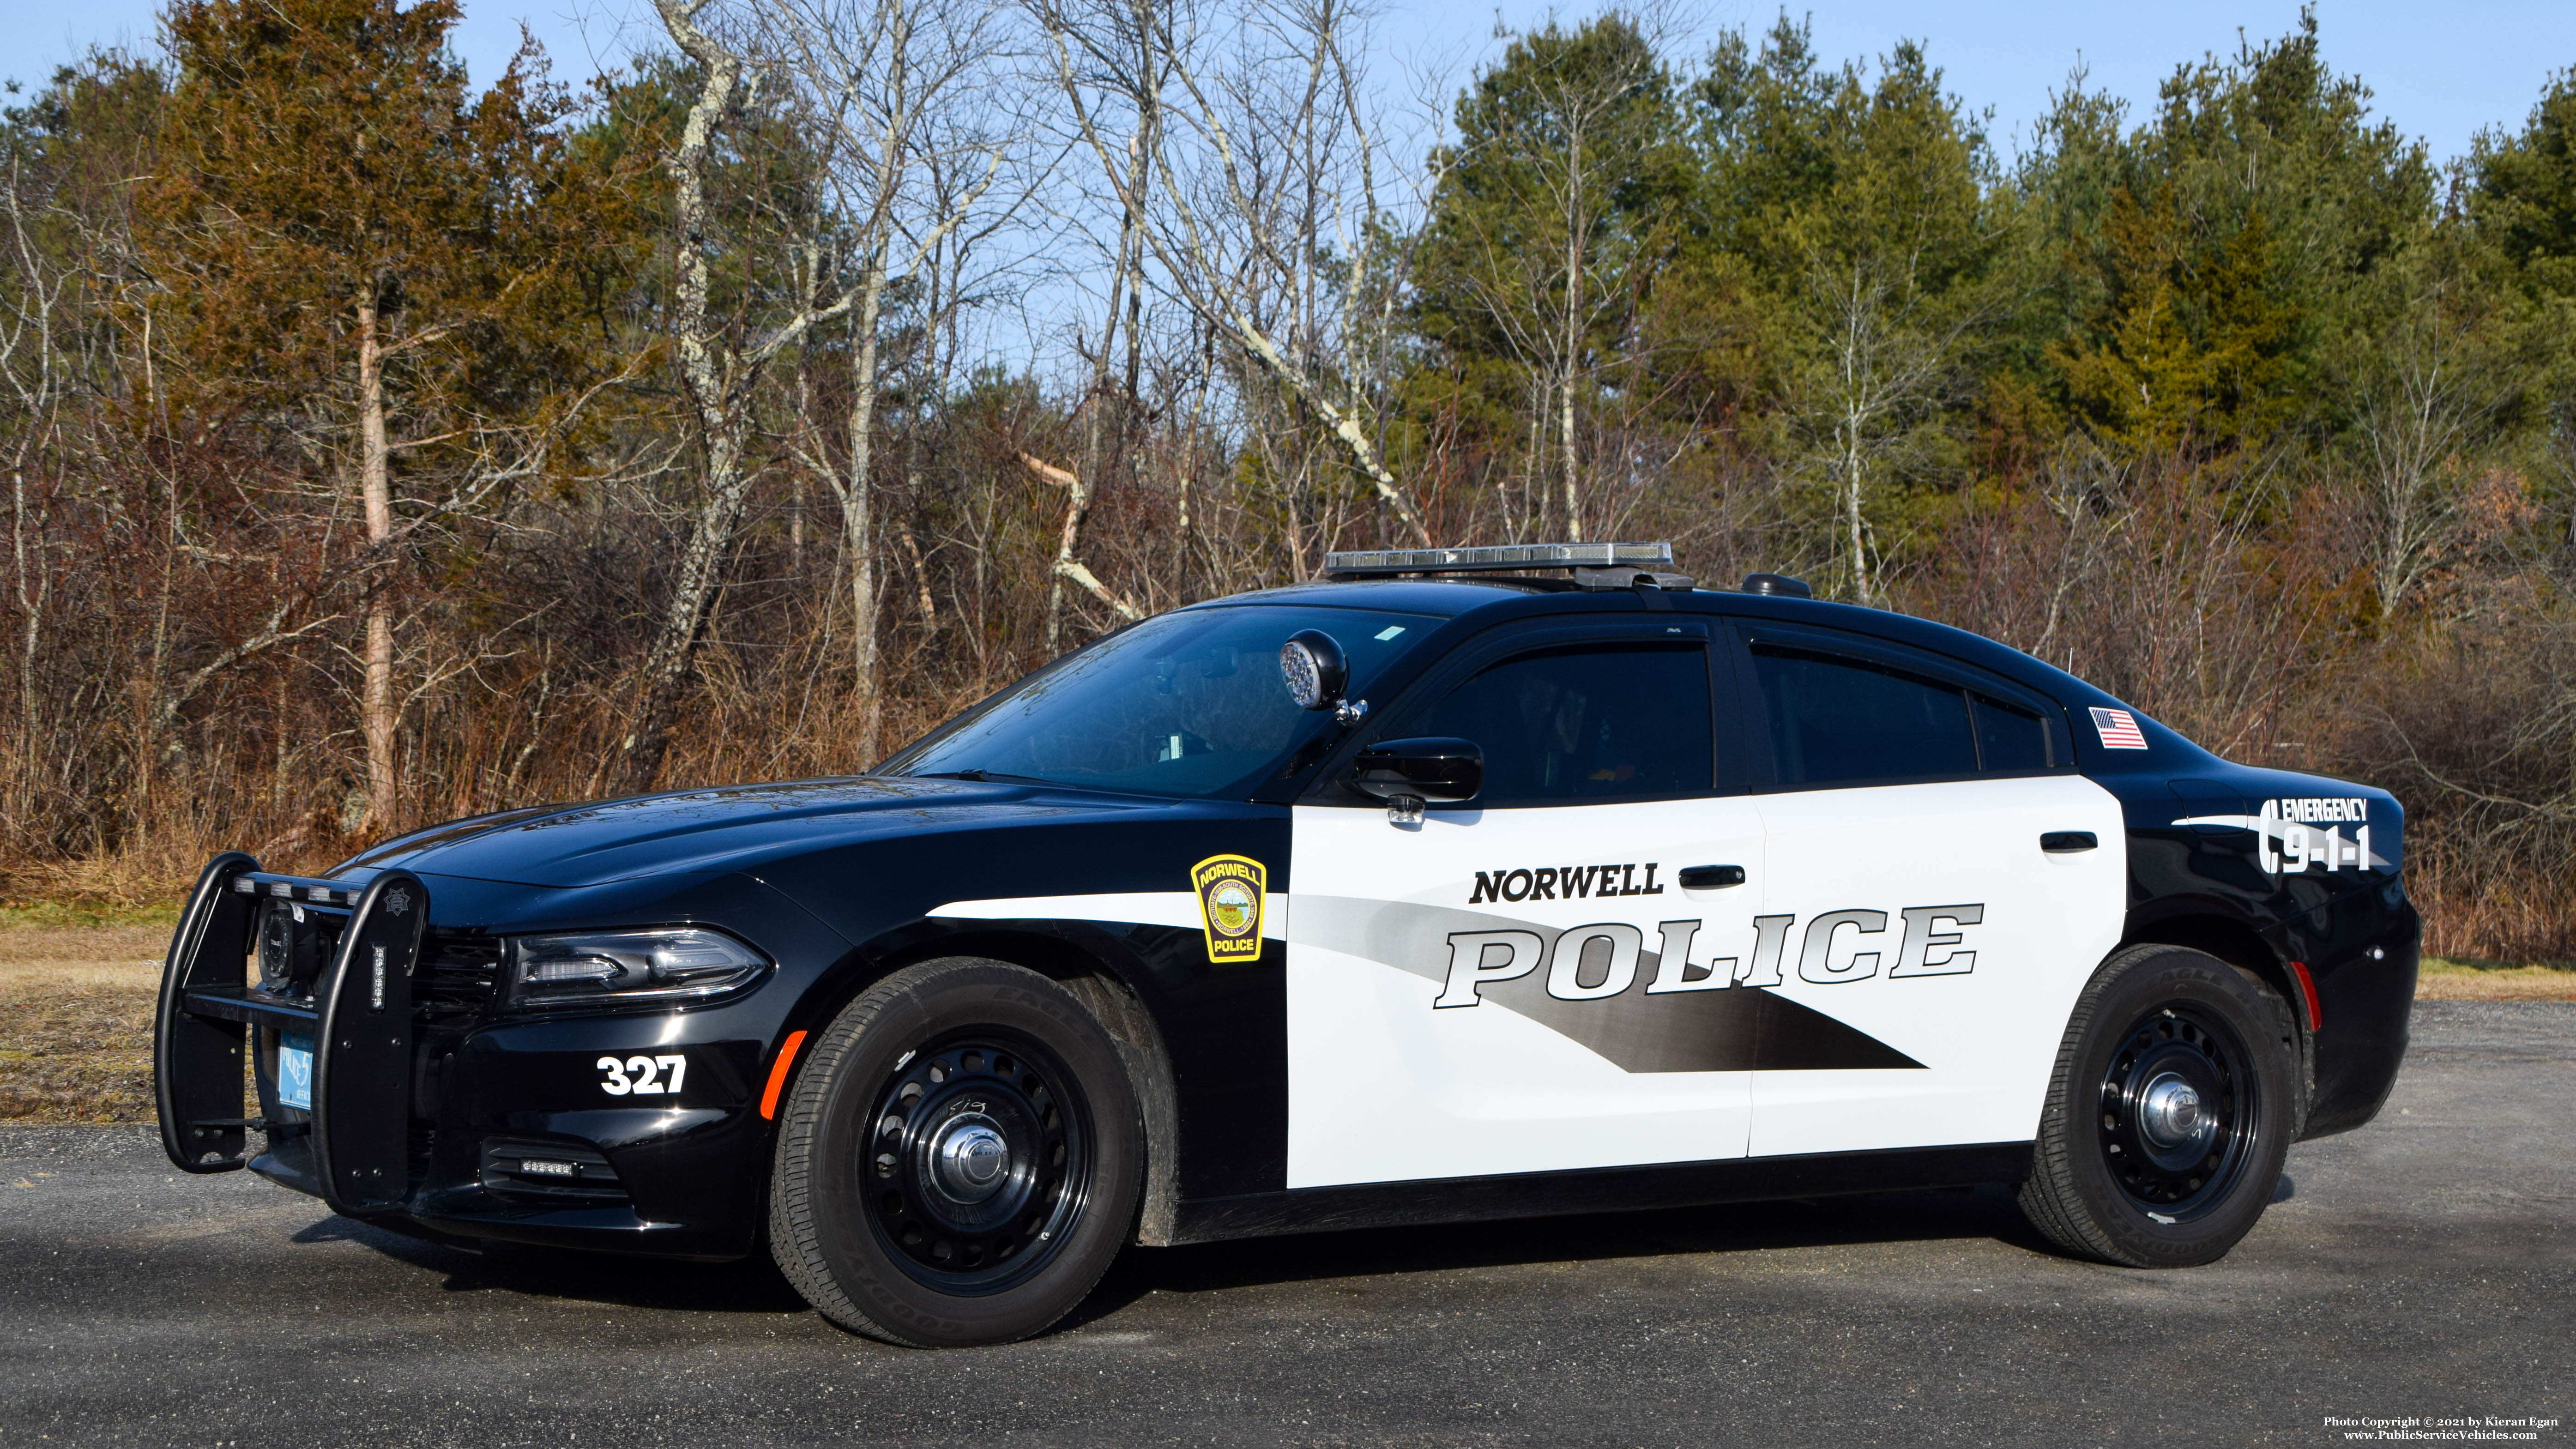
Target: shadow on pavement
x: 1954, y: 1213
x: 753, y: 1284
x: 749, y: 1285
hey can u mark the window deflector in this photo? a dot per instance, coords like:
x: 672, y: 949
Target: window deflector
x: 1881, y: 654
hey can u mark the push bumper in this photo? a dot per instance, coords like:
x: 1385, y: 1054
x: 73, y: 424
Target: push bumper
x: 471, y: 1130
x: 354, y: 1136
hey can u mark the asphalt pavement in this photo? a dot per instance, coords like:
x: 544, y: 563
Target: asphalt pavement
x: 2422, y: 1267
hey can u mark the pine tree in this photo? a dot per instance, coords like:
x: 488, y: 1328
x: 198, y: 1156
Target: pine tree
x: 350, y: 246
x: 2524, y: 199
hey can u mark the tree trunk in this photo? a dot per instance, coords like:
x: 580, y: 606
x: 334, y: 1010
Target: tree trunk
x: 920, y: 566
x: 858, y: 497
x: 1574, y: 289
x: 1079, y: 507
x: 667, y: 667
x: 720, y: 415
x: 376, y: 707
x: 1852, y: 520
x: 31, y: 603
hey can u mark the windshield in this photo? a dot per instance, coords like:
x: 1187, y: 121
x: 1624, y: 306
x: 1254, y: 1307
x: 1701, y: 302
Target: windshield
x: 1189, y: 703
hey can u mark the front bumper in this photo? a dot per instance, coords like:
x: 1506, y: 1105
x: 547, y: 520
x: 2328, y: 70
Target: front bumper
x: 630, y: 1133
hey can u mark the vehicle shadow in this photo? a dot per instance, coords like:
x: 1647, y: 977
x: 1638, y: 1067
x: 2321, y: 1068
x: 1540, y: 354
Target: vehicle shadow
x: 1918, y: 1216
x: 747, y: 1285
x: 754, y: 1285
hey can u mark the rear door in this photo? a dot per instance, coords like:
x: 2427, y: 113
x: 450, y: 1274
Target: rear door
x: 1908, y: 804
x: 1523, y: 983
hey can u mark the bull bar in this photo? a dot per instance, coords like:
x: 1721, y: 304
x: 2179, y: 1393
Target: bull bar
x: 352, y: 1146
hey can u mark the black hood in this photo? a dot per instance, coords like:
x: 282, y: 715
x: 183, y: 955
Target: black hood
x: 731, y: 828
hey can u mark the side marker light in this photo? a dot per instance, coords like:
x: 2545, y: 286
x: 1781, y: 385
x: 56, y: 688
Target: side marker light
x: 778, y: 1075
x: 2308, y: 989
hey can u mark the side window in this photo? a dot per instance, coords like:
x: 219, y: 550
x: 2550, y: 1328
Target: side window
x: 1585, y: 723
x: 2008, y: 736
x: 1843, y: 721
x: 1840, y: 722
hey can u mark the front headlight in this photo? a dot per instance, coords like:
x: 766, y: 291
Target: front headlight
x: 674, y: 965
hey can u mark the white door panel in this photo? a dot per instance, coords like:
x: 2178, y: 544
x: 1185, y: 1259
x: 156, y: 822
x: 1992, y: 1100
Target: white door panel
x: 1536, y: 1065
x: 1928, y: 918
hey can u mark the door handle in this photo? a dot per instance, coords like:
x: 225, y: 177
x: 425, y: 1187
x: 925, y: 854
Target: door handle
x: 1711, y: 877
x: 2067, y: 842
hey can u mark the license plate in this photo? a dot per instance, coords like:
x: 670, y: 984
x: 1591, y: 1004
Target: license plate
x: 295, y: 1071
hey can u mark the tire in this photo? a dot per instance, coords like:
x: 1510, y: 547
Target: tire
x: 2168, y: 1114
x: 959, y: 1159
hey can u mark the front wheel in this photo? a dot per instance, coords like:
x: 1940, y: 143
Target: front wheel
x: 960, y: 1158
x: 2168, y: 1114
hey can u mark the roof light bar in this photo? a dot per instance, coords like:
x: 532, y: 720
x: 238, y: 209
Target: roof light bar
x: 1496, y: 558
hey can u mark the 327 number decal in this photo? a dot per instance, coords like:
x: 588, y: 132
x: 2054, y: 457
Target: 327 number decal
x: 642, y: 1076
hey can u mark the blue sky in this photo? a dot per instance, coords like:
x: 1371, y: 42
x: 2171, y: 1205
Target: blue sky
x: 2440, y: 71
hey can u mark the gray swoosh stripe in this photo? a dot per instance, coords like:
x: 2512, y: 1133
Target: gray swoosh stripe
x: 1730, y: 1029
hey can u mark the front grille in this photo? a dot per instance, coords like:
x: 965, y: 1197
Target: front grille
x: 456, y: 978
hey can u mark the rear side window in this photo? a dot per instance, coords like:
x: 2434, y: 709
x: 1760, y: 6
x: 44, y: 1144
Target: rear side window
x: 2008, y: 736
x: 1585, y: 723
x: 1842, y: 721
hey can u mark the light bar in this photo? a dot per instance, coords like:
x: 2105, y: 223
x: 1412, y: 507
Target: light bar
x: 1497, y: 558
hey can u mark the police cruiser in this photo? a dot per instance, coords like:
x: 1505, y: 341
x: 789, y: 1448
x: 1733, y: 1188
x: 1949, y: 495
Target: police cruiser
x: 1467, y: 883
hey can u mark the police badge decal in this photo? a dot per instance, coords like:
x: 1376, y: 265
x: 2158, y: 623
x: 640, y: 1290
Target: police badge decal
x: 1230, y: 889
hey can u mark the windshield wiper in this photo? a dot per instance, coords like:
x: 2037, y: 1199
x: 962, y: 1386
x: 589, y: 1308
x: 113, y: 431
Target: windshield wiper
x: 982, y: 777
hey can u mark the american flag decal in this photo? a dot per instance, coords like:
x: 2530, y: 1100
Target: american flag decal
x: 2118, y: 729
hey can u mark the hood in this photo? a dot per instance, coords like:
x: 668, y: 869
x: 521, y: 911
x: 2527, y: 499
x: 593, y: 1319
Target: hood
x: 734, y: 827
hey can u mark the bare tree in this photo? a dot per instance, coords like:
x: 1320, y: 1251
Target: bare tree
x: 2428, y: 389
x: 1224, y: 115
x: 1884, y: 360
x: 719, y: 373
x: 894, y: 92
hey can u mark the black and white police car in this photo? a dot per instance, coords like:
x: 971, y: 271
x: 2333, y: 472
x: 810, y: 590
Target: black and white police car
x: 1470, y: 883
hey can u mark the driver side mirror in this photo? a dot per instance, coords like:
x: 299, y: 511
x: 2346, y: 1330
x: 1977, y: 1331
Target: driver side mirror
x: 1408, y: 774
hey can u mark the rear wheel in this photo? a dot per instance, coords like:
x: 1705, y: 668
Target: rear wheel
x: 2168, y: 1115
x: 960, y: 1158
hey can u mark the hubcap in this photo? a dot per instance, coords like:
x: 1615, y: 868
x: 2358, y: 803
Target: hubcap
x: 2178, y: 1112
x: 971, y: 1158
x: 2169, y: 1114
x: 979, y: 1162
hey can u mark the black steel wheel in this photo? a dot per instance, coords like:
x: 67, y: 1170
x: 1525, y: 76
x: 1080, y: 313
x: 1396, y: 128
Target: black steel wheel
x: 980, y: 1162
x: 2168, y: 1114
x: 960, y: 1157
x: 2180, y: 1112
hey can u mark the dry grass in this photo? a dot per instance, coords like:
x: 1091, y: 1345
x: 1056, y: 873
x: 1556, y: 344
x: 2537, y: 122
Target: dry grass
x: 76, y: 1021
x: 2444, y: 979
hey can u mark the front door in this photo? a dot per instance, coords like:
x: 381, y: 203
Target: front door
x: 1904, y: 811
x: 1525, y: 983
